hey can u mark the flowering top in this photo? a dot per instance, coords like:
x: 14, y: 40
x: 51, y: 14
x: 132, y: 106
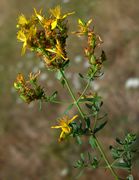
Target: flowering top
x: 83, y: 27
x: 93, y: 42
x: 28, y: 90
x: 64, y: 124
x: 56, y: 12
x: 45, y: 36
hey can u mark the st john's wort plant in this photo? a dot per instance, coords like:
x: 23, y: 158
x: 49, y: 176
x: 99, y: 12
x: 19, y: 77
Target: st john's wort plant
x: 46, y: 37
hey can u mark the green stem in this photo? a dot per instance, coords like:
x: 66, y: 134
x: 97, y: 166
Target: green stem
x: 85, y: 89
x: 83, y: 116
x: 105, y: 158
x: 58, y: 102
x: 55, y: 101
x: 72, y: 94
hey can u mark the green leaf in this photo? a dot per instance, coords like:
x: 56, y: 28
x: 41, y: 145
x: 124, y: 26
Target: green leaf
x: 130, y: 138
x: 87, y: 99
x: 89, y: 106
x: 63, y: 82
x: 81, y: 22
x: 101, y: 126
x: 92, y: 142
x: 103, y: 56
x: 58, y: 75
x: 130, y: 177
x: 93, y: 42
x: 68, y: 108
x: 92, y: 59
x: 65, y: 64
x: 53, y: 96
x: 119, y: 141
x: 116, y: 152
x: 87, y: 120
x: 79, y: 140
x: 82, y: 157
x: 81, y: 76
x: 94, y: 163
x: 89, y: 157
x: 121, y: 165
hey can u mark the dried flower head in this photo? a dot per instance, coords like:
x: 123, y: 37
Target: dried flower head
x: 28, y: 90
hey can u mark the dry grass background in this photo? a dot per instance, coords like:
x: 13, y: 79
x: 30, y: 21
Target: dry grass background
x: 28, y: 148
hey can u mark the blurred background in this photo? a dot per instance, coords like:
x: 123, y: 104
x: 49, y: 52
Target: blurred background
x: 28, y: 146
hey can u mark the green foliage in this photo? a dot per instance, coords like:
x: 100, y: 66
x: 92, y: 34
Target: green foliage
x: 123, y: 153
x: 86, y: 161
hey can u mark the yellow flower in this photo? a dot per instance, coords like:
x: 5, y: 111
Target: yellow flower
x: 58, y: 51
x: 23, y: 38
x: 84, y: 26
x: 22, y: 21
x: 56, y: 12
x: 39, y: 16
x: 64, y: 124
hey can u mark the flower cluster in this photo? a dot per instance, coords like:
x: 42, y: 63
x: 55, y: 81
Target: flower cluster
x: 29, y: 90
x: 45, y: 36
x: 94, y: 41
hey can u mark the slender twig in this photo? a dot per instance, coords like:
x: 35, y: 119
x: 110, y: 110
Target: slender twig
x: 85, y: 89
x: 72, y: 94
x: 59, y: 102
x: 105, y: 158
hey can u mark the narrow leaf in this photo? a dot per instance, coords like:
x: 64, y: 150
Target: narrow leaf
x: 58, y: 75
x: 68, y: 108
x: 101, y: 126
x: 121, y: 165
x: 82, y: 157
x: 87, y: 120
x: 81, y: 76
x: 130, y: 177
x: 103, y: 56
x: 92, y: 142
x: 79, y: 140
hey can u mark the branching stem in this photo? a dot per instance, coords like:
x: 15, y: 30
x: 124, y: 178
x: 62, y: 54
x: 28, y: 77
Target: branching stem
x: 83, y: 116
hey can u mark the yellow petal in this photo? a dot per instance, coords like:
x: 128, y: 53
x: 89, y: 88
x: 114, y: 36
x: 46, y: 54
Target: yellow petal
x: 24, y: 48
x: 39, y: 16
x: 62, y: 136
x: 89, y: 22
x: 66, y: 129
x: 51, y: 50
x: 80, y: 22
x: 56, y: 12
x: 68, y: 14
x: 72, y: 119
x: 56, y: 127
x: 21, y: 36
x: 54, y: 24
x: 22, y: 20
